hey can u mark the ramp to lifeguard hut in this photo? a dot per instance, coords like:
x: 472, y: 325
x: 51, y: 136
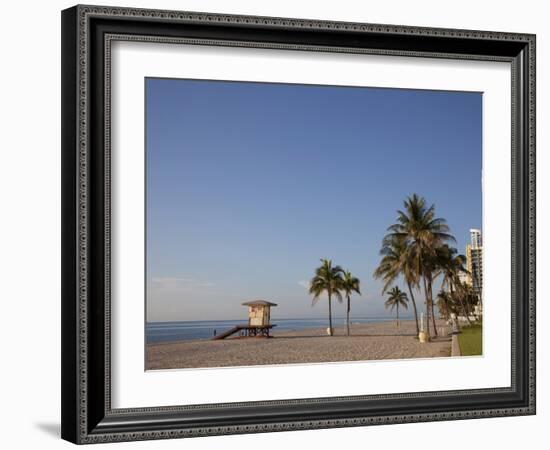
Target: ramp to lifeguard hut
x: 229, y: 332
x: 249, y: 331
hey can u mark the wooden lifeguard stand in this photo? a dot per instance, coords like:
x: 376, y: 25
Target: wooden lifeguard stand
x: 258, y: 321
x: 259, y: 312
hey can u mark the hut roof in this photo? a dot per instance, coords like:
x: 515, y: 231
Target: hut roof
x: 259, y: 303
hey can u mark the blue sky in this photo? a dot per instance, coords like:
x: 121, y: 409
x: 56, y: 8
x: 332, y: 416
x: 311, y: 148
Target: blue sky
x: 250, y: 184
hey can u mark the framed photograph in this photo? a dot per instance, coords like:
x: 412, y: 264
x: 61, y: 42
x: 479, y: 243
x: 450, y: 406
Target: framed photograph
x: 277, y: 224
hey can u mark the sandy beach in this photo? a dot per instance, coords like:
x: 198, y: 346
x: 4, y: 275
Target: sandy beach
x: 367, y: 342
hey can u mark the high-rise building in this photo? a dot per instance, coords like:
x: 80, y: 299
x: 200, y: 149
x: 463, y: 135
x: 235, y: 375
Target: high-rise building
x: 474, y: 260
x: 475, y: 238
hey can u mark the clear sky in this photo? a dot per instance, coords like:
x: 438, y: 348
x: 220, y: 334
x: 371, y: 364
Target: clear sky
x: 250, y: 184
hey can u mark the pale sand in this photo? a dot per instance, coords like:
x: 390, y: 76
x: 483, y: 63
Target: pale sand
x: 367, y: 342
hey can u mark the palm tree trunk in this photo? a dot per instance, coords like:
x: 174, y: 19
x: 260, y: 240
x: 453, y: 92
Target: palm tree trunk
x: 453, y: 298
x: 414, y: 306
x: 347, y: 318
x: 465, y: 311
x: 427, y: 308
x: 398, y: 314
x: 432, y: 304
x: 463, y: 307
x: 470, y: 305
x: 446, y: 303
x: 330, y: 313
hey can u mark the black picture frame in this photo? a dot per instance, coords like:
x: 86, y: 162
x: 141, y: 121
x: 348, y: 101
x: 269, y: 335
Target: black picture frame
x: 87, y: 416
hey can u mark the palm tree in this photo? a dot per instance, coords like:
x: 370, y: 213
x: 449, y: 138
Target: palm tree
x: 350, y: 284
x: 396, y: 260
x: 451, y: 265
x: 445, y: 303
x: 424, y: 233
x: 430, y: 273
x: 396, y: 298
x: 469, y: 298
x: 328, y: 278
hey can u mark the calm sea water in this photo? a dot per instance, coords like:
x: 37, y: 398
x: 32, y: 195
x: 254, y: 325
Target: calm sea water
x: 204, y: 329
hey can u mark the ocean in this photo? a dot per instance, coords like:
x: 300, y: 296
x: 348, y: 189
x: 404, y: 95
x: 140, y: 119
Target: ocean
x: 204, y: 329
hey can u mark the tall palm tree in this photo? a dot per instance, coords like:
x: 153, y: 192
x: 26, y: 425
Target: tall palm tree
x: 469, y: 298
x: 396, y: 260
x: 328, y: 278
x: 350, y: 284
x: 445, y: 303
x: 396, y: 298
x: 430, y: 271
x: 424, y: 233
x: 451, y: 265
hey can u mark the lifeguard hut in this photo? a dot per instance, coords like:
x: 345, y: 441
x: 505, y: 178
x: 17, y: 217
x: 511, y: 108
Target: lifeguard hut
x: 259, y: 312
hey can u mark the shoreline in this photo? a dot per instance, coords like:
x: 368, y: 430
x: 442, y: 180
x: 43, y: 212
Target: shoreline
x: 372, y: 341
x: 279, y: 326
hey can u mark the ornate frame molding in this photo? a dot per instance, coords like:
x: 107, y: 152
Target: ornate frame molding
x: 84, y: 421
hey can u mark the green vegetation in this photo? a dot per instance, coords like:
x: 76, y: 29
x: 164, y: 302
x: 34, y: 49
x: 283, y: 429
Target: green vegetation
x: 350, y: 284
x: 470, y: 340
x: 417, y: 248
x: 333, y: 280
x: 396, y: 260
x: 396, y: 298
x: 328, y: 278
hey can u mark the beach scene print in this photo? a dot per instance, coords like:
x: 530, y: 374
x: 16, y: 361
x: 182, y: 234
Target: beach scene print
x: 300, y: 224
